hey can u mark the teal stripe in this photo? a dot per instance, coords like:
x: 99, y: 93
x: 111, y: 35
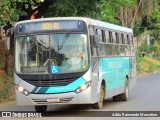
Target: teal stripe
x: 60, y: 89
x: 42, y: 90
x: 71, y: 87
x: 35, y: 89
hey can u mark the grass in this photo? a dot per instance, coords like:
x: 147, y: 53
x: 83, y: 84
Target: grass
x: 147, y: 65
x: 6, y: 87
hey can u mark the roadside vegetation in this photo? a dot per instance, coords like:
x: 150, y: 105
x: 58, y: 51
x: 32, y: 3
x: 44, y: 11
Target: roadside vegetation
x: 148, y: 54
x: 146, y: 65
x: 6, y: 80
x: 6, y: 86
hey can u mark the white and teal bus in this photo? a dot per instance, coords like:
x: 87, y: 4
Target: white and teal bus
x: 72, y: 60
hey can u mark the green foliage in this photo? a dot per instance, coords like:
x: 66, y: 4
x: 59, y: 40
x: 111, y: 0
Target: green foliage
x: 150, y: 16
x: 146, y: 48
x: 11, y: 10
x: 138, y: 60
x: 109, y: 13
x: 104, y: 10
x: 147, y: 65
x: 7, y: 10
x: 109, y: 9
x: 155, y: 20
x: 6, y: 92
x: 138, y: 29
x: 63, y: 8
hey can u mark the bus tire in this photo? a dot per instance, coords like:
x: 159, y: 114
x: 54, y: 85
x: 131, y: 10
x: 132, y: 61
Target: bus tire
x: 99, y: 104
x: 124, y: 96
x: 116, y: 98
x: 41, y: 108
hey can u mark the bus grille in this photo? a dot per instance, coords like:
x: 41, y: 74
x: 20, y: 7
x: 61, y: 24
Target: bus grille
x: 49, y: 83
x: 44, y: 101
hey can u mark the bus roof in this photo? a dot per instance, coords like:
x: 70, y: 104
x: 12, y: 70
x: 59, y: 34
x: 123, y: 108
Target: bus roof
x: 88, y: 21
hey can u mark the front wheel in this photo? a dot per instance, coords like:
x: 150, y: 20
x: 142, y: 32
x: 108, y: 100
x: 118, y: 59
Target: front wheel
x: 99, y: 105
x: 41, y: 108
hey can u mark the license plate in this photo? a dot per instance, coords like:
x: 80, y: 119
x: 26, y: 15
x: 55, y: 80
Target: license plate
x: 53, y: 100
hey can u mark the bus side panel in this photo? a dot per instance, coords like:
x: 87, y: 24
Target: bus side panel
x: 114, y: 71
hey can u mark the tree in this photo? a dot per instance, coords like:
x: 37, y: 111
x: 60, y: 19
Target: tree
x: 8, y: 13
x: 64, y: 8
x: 105, y: 10
x: 16, y: 10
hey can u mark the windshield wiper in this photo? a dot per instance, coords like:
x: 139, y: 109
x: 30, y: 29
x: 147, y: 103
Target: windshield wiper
x: 33, y: 38
x: 64, y: 40
x: 42, y: 41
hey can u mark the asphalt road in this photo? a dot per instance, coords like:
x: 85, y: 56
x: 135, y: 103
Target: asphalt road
x: 145, y: 96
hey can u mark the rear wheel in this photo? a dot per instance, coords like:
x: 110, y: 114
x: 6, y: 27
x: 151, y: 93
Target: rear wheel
x: 99, y: 105
x: 116, y: 98
x: 41, y: 108
x: 124, y: 96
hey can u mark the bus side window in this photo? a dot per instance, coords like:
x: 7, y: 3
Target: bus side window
x: 99, y: 32
x: 102, y: 45
x: 122, y: 50
x: 114, y: 37
x: 102, y: 50
x: 107, y: 36
x: 110, y: 37
x: 117, y: 38
x: 92, y: 31
x: 125, y: 39
x: 122, y: 38
x: 131, y: 43
x: 132, y: 51
x: 115, y: 47
x: 103, y: 36
x: 127, y: 46
x: 108, y: 49
x: 131, y: 39
x: 128, y: 39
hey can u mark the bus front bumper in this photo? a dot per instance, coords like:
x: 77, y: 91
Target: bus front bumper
x: 83, y: 97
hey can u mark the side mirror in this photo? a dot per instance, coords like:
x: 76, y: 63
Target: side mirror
x: 94, y: 41
x: 7, y: 43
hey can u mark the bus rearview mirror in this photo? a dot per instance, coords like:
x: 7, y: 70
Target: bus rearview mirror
x: 7, y: 43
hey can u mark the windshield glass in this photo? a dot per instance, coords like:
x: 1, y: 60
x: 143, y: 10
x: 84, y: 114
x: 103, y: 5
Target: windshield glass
x: 51, y: 54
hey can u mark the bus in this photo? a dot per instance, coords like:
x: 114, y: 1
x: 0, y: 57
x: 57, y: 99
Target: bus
x: 72, y: 60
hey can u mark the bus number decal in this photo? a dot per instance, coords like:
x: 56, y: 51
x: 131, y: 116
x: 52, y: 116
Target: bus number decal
x: 56, y: 25
x: 50, y: 26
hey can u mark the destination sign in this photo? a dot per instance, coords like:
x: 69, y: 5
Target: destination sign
x: 50, y: 25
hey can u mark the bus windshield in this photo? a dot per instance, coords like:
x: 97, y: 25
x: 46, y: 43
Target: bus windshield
x: 51, y: 53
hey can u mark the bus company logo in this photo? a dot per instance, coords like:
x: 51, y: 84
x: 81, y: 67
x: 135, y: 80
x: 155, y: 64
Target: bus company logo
x: 115, y: 65
x: 6, y: 114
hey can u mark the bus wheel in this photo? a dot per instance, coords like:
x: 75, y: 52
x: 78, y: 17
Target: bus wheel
x: 124, y: 96
x: 99, y: 105
x: 116, y: 98
x: 41, y: 108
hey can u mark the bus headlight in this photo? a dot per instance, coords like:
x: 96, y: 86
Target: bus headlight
x: 22, y: 90
x: 83, y: 87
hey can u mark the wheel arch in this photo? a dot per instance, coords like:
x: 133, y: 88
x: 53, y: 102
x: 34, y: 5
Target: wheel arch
x: 127, y: 80
x: 103, y: 83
